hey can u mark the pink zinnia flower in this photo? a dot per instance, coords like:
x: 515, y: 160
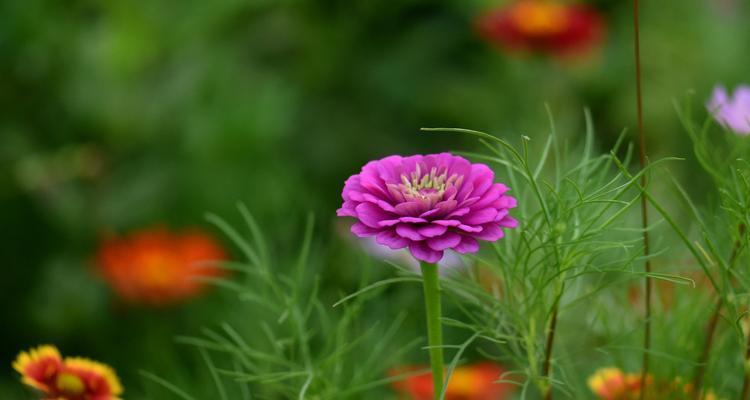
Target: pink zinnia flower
x: 427, y: 203
x: 732, y: 112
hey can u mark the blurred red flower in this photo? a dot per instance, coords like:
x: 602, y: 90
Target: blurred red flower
x: 543, y: 26
x: 159, y: 267
x: 470, y: 382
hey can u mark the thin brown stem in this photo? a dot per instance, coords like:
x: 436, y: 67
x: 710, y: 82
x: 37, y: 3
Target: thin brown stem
x: 703, y: 360
x: 745, y: 377
x: 548, y: 349
x: 745, y: 380
x: 700, y: 371
x: 644, y: 204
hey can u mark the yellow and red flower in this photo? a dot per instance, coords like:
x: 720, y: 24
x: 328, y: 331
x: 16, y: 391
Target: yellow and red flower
x: 159, y: 267
x: 545, y: 26
x: 471, y: 382
x: 72, y: 378
x: 613, y: 384
x: 678, y: 386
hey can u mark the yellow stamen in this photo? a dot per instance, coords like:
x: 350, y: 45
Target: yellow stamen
x: 70, y: 384
x: 435, y: 182
x: 539, y: 18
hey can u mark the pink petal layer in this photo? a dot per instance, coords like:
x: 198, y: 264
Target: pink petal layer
x: 422, y: 252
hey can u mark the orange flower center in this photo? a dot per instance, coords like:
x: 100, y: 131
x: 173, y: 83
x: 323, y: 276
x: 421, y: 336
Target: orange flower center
x: 70, y: 384
x: 463, y: 383
x: 539, y: 18
x: 158, y: 270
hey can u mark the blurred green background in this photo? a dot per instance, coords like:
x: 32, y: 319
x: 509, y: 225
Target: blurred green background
x: 118, y: 115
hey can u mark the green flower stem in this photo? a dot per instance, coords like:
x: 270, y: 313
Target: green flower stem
x: 431, y: 285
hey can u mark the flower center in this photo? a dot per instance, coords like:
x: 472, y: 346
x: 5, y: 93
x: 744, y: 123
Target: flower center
x: 157, y: 270
x: 428, y: 186
x: 70, y: 384
x: 463, y: 383
x: 539, y: 18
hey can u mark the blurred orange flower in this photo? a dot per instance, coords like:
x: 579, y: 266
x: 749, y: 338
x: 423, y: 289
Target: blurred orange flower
x: 73, y: 378
x: 543, y: 26
x: 159, y: 267
x: 471, y: 382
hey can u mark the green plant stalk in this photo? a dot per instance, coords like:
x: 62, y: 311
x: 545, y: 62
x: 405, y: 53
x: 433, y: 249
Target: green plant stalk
x: 745, y: 379
x: 431, y: 285
x: 551, y: 341
x: 548, y: 353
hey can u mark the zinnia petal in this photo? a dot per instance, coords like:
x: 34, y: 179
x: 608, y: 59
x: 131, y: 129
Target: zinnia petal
x: 392, y: 240
x: 490, y: 232
x: 445, y: 241
x: 371, y: 214
x: 467, y: 245
x: 408, y: 231
x: 422, y: 252
x: 432, y: 230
